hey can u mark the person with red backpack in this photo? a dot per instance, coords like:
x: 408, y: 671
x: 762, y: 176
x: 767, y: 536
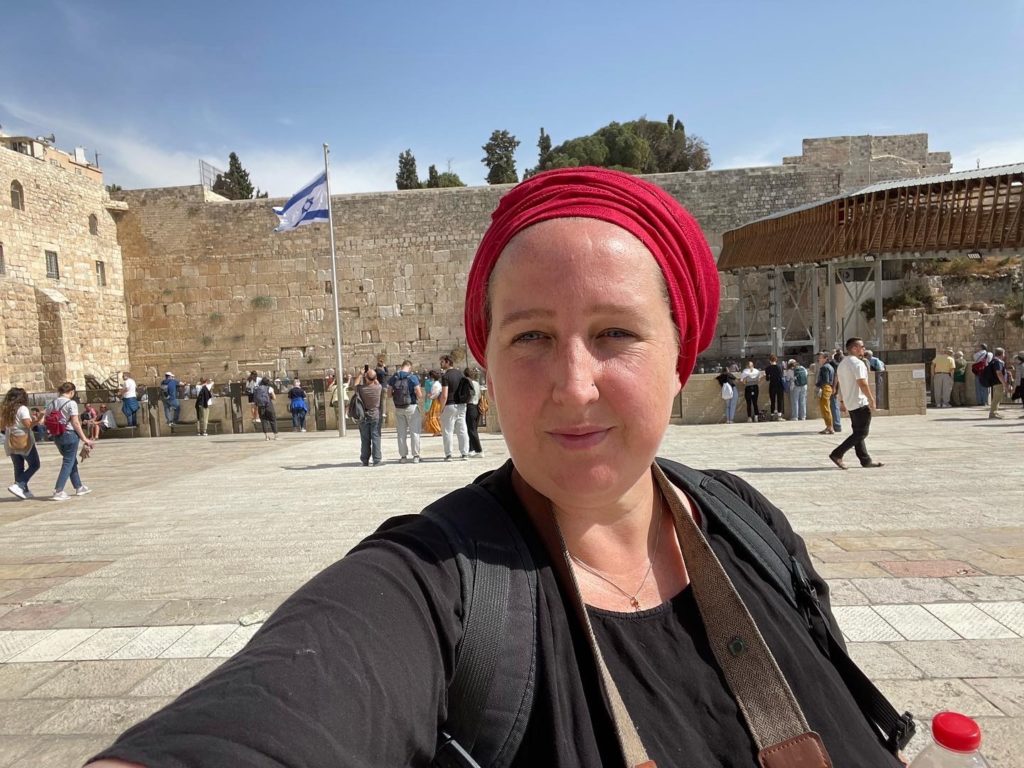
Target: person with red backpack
x: 65, y: 427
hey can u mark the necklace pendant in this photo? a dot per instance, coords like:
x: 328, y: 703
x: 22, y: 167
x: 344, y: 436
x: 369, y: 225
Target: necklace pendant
x: 635, y: 603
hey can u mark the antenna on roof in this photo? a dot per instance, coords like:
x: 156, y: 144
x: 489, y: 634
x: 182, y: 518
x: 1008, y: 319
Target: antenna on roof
x: 978, y: 166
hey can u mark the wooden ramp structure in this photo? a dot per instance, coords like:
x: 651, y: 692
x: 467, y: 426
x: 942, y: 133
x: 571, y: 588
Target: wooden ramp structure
x: 975, y: 214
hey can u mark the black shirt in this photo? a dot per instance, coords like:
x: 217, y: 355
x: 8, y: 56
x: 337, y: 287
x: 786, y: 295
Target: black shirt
x: 352, y: 669
x: 773, y: 372
x: 451, y: 379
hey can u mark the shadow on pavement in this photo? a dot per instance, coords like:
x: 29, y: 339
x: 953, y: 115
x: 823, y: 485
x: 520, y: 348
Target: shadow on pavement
x: 773, y: 470
x: 324, y: 466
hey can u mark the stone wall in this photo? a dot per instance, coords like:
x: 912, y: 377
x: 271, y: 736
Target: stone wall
x: 960, y: 329
x: 64, y: 328
x: 214, y: 292
x: 865, y: 160
x: 701, y: 402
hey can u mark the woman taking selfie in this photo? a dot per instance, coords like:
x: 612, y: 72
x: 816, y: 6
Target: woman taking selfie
x: 656, y: 639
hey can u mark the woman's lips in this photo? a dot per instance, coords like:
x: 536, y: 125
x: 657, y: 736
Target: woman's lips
x: 579, y: 438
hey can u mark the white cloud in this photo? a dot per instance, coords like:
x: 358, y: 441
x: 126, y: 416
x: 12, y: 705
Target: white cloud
x: 990, y: 153
x: 134, y: 162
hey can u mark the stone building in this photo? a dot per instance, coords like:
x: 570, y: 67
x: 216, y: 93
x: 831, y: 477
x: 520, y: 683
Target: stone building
x: 61, y: 283
x: 214, y: 292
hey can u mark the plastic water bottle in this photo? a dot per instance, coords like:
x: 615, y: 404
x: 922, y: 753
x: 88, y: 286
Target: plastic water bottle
x: 956, y: 741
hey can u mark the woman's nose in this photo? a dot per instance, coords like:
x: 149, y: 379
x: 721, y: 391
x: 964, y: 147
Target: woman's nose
x: 578, y: 380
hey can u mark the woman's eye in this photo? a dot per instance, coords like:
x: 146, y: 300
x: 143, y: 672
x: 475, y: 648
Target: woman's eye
x: 617, y: 333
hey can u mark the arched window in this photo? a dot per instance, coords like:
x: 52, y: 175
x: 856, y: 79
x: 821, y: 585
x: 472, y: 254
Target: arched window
x: 17, y: 195
x: 94, y: 224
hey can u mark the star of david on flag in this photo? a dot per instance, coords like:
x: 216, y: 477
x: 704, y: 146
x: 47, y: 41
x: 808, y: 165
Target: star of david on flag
x: 308, y: 205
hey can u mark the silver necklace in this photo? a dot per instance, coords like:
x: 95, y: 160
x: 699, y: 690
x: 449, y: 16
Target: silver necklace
x: 633, y: 601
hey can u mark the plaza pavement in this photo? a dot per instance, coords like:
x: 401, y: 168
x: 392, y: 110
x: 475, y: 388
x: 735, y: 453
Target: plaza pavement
x: 112, y: 603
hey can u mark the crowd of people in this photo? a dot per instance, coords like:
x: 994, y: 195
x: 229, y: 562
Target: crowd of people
x: 445, y: 401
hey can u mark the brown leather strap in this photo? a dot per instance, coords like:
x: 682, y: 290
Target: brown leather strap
x: 764, y: 697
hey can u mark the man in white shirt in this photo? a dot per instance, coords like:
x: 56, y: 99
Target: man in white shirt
x: 855, y: 397
x: 129, y: 400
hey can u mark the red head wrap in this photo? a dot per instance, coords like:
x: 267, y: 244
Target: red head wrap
x: 644, y: 210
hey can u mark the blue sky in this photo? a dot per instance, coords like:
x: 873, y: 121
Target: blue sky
x: 156, y: 86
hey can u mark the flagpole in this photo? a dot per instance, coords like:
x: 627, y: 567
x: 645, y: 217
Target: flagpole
x: 339, y: 376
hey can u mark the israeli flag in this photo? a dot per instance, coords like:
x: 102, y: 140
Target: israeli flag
x: 308, y: 205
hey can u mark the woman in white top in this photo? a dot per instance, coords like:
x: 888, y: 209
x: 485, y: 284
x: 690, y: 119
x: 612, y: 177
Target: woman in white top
x: 750, y: 377
x: 67, y: 442
x: 19, y: 440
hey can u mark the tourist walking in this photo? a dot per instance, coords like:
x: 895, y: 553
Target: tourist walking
x: 172, y: 405
x: 129, y: 399
x: 368, y: 396
x: 824, y: 384
x: 19, y: 440
x: 297, y: 406
x: 432, y: 405
x: 797, y: 390
x: 203, y: 399
x: 982, y: 357
x: 453, y: 410
x: 750, y: 378
x: 730, y: 394
x: 776, y: 387
x: 995, y: 378
x: 856, y: 397
x: 263, y: 398
x: 406, y: 395
x: 251, y: 383
x: 943, y: 367
x: 476, y: 450
x: 837, y: 422
x: 62, y: 422
x: 958, y: 397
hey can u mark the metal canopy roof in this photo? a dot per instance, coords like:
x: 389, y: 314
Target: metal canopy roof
x: 981, y: 209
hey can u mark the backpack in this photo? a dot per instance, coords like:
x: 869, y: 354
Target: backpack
x: 165, y: 391
x: 800, y: 376
x: 499, y: 579
x: 401, y: 389
x: 261, y: 397
x: 54, y: 421
x: 979, y: 367
x: 727, y: 391
x: 463, y: 391
x: 989, y: 377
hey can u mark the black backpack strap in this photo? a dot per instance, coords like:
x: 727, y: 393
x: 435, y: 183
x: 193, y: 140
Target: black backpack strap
x: 785, y: 572
x: 486, y: 722
x: 743, y: 525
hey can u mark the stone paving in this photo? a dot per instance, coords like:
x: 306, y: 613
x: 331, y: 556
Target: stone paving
x: 113, y: 603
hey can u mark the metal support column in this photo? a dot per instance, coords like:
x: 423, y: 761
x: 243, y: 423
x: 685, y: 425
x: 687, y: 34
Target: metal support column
x: 830, y: 315
x: 879, y: 315
x: 775, y: 311
x: 743, y: 314
x: 816, y: 321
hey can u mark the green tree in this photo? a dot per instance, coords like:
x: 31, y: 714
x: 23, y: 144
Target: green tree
x: 499, y: 157
x: 449, y: 179
x: 638, y: 146
x: 543, y: 155
x: 407, y: 177
x: 433, y: 178
x: 235, y: 184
